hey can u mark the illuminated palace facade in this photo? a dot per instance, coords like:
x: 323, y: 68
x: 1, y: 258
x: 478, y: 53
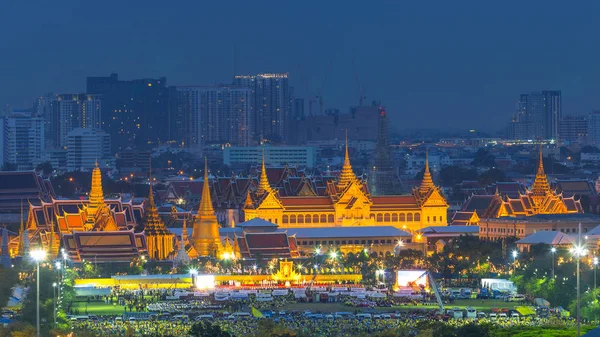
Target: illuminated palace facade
x: 347, y: 202
x: 513, y: 212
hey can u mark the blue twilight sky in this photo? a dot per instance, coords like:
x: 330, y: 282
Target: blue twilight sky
x: 459, y: 64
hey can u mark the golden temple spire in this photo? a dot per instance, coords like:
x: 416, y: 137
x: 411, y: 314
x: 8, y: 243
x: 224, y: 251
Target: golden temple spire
x: 263, y: 182
x: 96, y: 193
x: 184, y: 231
x: 540, y: 186
x: 158, y: 238
x: 540, y: 170
x: 347, y: 174
x: 206, y: 206
x: 427, y: 182
x: 97, y: 211
x: 205, y: 234
x: 153, y: 220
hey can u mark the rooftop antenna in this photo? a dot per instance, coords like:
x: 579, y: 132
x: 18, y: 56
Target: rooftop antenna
x: 234, y: 60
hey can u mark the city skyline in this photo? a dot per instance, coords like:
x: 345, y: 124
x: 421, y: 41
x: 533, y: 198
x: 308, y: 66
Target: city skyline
x: 421, y: 53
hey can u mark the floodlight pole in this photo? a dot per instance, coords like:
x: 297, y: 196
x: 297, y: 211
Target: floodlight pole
x: 578, y: 287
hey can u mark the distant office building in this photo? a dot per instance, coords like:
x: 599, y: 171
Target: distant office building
x: 537, y: 116
x: 57, y: 158
x: 134, y: 160
x: 573, y: 129
x: 594, y: 127
x: 85, y: 147
x: 135, y: 113
x: 271, y: 104
x: 274, y: 155
x: 65, y: 112
x: 361, y: 122
x: 213, y: 115
x: 23, y: 141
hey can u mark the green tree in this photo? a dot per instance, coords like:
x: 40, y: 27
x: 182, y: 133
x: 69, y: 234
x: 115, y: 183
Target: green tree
x: 47, y: 278
x: 491, y: 176
x: 483, y: 157
x: 8, y: 279
x: 45, y: 168
x: 207, y: 329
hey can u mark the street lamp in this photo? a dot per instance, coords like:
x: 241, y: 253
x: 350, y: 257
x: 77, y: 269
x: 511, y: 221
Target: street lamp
x: 595, y: 267
x: 333, y: 255
x: 553, y: 250
x: 54, y: 301
x: 38, y: 255
x: 514, y: 255
x: 382, y: 273
x: 578, y: 251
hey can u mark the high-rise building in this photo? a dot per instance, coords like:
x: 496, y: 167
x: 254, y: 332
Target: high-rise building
x: 573, y: 128
x: 594, y: 127
x: 23, y: 141
x: 135, y: 112
x: 537, y: 116
x: 213, y: 115
x: 88, y: 147
x: 65, y: 112
x: 361, y: 123
x: 274, y: 155
x: 271, y: 105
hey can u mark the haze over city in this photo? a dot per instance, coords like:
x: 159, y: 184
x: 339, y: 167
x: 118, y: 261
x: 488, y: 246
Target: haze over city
x: 299, y: 169
x: 433, y: 65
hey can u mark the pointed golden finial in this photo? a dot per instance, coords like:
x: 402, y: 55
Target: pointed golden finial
x: 263, y: 182
x: 206, y: 206
x: 541, y: 161
x: 347, y: 174
x: 184, y: 232
x: 154, y: 224
x: 540, y: 186
x: 427, y: 182
x: 347, y: 157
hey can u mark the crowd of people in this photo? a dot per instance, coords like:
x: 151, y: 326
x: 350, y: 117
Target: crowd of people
x: 341, y: 327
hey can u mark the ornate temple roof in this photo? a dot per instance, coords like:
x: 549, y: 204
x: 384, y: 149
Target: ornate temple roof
x: 427, y: 182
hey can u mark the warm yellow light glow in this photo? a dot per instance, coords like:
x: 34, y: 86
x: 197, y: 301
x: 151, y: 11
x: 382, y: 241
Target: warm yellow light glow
x: 38, y: 255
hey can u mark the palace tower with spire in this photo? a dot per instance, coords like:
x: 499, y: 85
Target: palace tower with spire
x: 205, y: 233
x: 158, y: 238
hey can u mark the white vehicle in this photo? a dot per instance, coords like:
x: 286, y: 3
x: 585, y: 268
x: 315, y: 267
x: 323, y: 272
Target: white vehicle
x: 514, y: 298
x: 471, y: 312
x: 514, y: 315
x: 207, y: 317
x: 493, y: 316
x: 118, y: 319
x: 328, y: 316
x: 503, y: 315
x: 481, y: 314
x: 364, y: 315
x: 386, y: 316
x: 242, y: 314
x: 457, y: 313
x: 282, y: 313
x: 132, y: 319
x: 181, y: 317
x: 376, y: 316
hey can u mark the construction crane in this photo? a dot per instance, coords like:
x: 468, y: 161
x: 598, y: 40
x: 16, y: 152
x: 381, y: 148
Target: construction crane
x: 319, y: 95
x: 361, y: 88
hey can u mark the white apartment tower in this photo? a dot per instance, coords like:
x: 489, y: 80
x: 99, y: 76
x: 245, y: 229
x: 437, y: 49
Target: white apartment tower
x: 23, y: 140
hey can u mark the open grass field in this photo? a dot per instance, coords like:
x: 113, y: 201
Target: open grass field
x: 100, y: 308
